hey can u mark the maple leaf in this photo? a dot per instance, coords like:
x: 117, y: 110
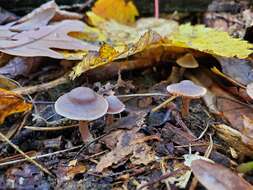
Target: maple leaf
x: 119, y: 10
x: 210, y: 41
x: 11, y: 103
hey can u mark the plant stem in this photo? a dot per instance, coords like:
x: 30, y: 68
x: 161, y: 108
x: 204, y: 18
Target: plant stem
x: 156, y: 8
x: 163, y: 104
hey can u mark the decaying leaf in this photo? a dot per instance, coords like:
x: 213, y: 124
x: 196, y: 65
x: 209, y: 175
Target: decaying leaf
x: 11, y: 103
x: 120, y: 10
x: 128, y: 142
x: 210, y: 41
x: 38, y: 42
x: 66, y: 173
x: 215, y: 176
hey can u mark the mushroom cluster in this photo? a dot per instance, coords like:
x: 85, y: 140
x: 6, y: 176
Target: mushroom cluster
x: 187, y: 90
x: 85, y: 105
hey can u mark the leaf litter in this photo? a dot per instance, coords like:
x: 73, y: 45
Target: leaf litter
x: 50, y: 51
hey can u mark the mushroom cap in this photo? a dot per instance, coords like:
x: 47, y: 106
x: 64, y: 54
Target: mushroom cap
x: 186, y: 88
x: 187, y: 61
x: 115, y: 105
x: 81, y: 104
x: 249, y: 90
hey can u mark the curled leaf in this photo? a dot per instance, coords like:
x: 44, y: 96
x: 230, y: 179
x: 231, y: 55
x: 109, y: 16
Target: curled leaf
x: 11, y: 103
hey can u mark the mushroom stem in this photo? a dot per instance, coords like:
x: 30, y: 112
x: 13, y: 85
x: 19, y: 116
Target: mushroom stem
x: 84, y: 130
x: 185, y: 106
x: 174, y: 75
x: 109, y: 119
x: 163, y: 104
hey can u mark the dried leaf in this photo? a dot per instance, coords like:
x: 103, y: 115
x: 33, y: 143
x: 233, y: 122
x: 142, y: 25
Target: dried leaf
x: 215, y: 176
x: 119, y: 10
x: 128, y: 142
x: 37, y: 18
x: 210, y: 41
x: 11, y: 103
x: 38, y: 42
x: 95, y: 59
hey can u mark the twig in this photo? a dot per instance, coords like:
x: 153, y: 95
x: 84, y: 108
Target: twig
x: 41, y: 87
x: 40, y: 156
x: 27, y: 157
x: 144, y: 94
x: 50, y: 128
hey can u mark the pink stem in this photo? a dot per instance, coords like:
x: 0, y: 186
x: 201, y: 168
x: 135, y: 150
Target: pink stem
x: 156, y: 8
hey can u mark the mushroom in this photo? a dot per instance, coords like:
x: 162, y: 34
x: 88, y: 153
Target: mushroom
x: 187, y: 90
x: 115, y: 107
x: 84, y: 105
x: 185, y: 62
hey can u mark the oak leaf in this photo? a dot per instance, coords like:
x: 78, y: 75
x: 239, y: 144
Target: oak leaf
x: 39, y: 42
x: 11, y: 103
x: 119, y: 10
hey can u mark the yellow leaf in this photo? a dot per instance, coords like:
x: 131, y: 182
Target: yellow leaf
x: 119, y: 34
x: 11, y: 103
x: 119, y: 10
x: 95, y: 59
x: 210, y: 41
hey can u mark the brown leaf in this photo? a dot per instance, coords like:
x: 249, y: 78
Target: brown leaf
x: 38, y: 42
x: 128, y: 142
x: 11, y: 103
x: 215, y: 176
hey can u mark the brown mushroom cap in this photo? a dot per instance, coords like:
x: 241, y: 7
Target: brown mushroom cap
x: 249, y: 90
x: 187, y: 61
x: 186, y: 88
x: 115, y: 105
x: 81, y: 104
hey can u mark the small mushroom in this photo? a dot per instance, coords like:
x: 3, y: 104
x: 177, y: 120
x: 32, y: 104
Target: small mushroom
x: 115, y: 107
x: 187, y: 90
x: 84, y: 105
x: 185, y: 62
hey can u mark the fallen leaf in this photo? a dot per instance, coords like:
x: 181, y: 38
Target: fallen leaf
x: 128, y: 143
x: 37, y: 18
x: 215, y: 176
x: 95, y: 59
x: 119, y: 10
x: 67, y: 173
x: 39, y: 42
x: 11, y: 103
x: 217, y: 43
